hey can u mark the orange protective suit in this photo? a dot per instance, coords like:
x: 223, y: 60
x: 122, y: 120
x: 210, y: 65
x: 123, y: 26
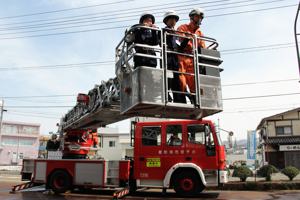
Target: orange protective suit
x: 186, y: 64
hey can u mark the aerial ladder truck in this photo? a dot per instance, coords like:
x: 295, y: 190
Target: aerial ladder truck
x: 195, y: 161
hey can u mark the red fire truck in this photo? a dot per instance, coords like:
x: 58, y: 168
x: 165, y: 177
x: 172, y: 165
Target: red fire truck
x: 186, y: 155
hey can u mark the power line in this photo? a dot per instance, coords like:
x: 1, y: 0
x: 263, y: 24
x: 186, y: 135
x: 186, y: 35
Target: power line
x: 38, y: 96
x: 39, y: 106
x: 34, y: 112
x: 96, y: 19
x: 295, y: 104
x: 255, y: 47
x: 261, y: 96
x: 31, y: 115
x: 108, y: 62
x: 259, y: 50
x: 87, y: 23
x: 115, y: 16
x: 224, y: 99
x: 71, y: 65
x: 118, y: 27
x: 113, y: 11
x: 39, y: 101
x: 260, y: 82
x: 258, y: 110
x: 63, y: 10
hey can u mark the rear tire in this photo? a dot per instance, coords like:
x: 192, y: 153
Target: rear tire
x: 187, y: 183
x: 60, y: 181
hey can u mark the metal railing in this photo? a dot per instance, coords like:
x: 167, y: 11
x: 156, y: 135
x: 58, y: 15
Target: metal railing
x: 125, y: 54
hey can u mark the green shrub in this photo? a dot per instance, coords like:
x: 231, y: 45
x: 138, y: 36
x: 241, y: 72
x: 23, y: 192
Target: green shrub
x: 266, y: 171
x: 243, y: 172
x: 290, y: 172
x: 228, y: 171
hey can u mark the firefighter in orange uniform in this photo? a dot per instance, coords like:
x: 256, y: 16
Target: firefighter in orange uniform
x: 186, y: 64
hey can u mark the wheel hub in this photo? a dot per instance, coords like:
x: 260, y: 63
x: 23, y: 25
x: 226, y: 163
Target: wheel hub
x: 187, y: 184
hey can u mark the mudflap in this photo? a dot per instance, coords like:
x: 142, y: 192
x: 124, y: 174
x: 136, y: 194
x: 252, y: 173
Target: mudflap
x: 119, y: 194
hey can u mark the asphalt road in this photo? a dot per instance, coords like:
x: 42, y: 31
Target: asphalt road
x: 221, y: 195
x: 6, y: 182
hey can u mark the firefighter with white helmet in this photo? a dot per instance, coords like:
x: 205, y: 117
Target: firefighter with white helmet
x: 198, y: 12
x: 141, y: 35
x: 186, y: 64
x: 170, y: 19
x: 171, y: 14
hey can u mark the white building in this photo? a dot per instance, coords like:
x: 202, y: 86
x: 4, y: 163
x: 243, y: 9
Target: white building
x: 114, y: 145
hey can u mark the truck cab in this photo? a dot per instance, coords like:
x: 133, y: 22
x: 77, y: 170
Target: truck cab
x: 186, y: 155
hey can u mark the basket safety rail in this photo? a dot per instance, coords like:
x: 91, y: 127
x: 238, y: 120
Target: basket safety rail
x: 126, y: 50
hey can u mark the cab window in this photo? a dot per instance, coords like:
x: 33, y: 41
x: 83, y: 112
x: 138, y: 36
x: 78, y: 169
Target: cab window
x: 151, y: 136
x: 174, y: 135
x: 196, y: 134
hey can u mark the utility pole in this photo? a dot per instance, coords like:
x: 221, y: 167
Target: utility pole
x: 1, y: 117
x: 296, y: 37
x: 1, y: 114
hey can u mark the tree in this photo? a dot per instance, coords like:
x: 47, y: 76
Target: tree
x: 290, y: 172
x: 266, y: 171
x: 243, y: 172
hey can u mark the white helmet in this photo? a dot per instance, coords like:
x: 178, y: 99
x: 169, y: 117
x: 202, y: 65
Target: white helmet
x: 145, y: 15
x: 170, y: 13
x: 197, y: 11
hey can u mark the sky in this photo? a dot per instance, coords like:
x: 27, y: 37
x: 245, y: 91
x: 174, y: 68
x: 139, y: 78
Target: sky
x: 28, y: 37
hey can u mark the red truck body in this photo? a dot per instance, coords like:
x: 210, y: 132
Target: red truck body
x: 197, y: 160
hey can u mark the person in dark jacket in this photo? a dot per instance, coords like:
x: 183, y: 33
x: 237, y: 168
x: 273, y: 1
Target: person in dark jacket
x: 142, y: 35
x: 170, y: 19
x: 53, y: 144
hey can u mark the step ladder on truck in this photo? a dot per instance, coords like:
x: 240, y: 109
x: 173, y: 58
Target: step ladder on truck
x: 194, y: 161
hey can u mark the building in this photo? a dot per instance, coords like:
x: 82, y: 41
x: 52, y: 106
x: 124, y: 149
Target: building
x: 114, y: 145
x: 17, y: 141
x: 280, y: 139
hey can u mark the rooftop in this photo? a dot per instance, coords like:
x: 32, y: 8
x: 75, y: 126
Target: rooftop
x: 20, y: 123
x: 273, y: 116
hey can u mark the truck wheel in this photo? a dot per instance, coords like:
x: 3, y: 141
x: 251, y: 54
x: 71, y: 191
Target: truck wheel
x: 187, y: 183
x: 60, y: 181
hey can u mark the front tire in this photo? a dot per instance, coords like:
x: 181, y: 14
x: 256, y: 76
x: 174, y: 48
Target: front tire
x: 187, y: 183
x: 60, y: 181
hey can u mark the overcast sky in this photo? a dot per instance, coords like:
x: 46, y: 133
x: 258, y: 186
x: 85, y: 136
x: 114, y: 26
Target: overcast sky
x: 248, y: 29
